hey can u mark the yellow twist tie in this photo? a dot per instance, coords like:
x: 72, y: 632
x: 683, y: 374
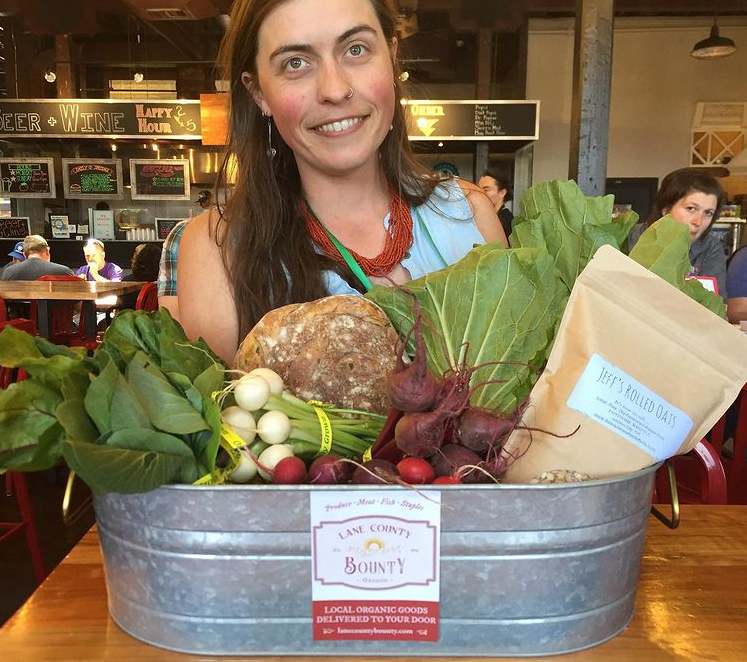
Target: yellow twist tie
x: 367, y: 454
x: 217, y: 477
x: 325, y: 445
x: 231, y: 437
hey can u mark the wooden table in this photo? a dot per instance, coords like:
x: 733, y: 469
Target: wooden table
x: 691, y: 605
x: 44, y: 291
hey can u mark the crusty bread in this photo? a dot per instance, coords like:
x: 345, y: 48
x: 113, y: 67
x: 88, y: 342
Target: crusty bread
x: 338, y: 349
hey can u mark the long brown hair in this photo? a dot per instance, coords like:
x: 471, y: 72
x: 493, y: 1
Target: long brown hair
x: 268, y: 253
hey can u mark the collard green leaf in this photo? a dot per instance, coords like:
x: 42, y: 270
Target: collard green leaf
x: 99, y: 396
x: 210, y: 380
x: 663, y: 248
x: 131, y: 461
x: 15, y: 346
x: 74, y: 419
x: 558, y: 216
x: 493, y: 305
x: 211, y: 437
x: 167, y: 409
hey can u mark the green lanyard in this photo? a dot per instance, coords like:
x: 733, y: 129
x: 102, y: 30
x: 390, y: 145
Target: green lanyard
x: 344, y: 252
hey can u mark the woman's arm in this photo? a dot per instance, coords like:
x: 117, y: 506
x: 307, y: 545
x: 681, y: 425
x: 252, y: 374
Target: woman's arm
x: 483, y: 212
x: 206, y: 304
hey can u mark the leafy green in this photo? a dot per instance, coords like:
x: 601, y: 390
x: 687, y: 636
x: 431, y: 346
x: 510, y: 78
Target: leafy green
x: 136, y: 415
x: 493, y: 305
x: 130, y: 461
x: 663, y: 248
x: 558, y: 217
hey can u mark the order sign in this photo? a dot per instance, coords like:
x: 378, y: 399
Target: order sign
x: 375, y: 565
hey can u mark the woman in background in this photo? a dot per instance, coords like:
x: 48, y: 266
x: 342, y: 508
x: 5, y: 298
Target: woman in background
x: 695, y: 199
x: 144, y: 265
x: 497, y: 187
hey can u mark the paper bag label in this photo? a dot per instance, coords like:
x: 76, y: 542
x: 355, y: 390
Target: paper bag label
x: 612, y: 398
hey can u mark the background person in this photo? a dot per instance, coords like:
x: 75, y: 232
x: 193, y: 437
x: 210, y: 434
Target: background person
x: 695, y: 199
x: 144, y: 265
x: 319, y: 140
x: 96, y: 267
x: 736, y: 286
x: 37, y: 263
x: 497, y: 187
x: 167, y: 297
x: 205, y: 199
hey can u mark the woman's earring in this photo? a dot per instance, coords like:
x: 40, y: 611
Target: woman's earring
x: 271, y: 151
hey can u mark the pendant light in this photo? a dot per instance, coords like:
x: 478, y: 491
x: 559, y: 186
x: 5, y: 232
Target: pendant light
x: 714, y: 47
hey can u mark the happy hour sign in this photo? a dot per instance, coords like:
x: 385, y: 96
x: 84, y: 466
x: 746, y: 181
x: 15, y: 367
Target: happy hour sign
x: 375, y: 565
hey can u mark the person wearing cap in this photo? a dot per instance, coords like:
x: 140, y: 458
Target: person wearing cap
x: 205, y: 199
x: 37, y: 263
x: 96, y: 267
x: 16, y: 254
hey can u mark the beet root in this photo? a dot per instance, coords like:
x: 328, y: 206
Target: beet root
x: 420, y: 434
x: 383, y: 472
x: 329, y: 470
x: 480, y: 429
x: 451, y: 458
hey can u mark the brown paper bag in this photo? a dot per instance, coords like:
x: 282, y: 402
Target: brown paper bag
x: 644, y: 370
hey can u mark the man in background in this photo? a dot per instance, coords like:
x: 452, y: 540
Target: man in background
x: 96, y: 267
x: 37, y: 263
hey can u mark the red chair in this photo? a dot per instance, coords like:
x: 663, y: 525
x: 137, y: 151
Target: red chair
x: 700, y: 477
x: 733, y: 424
x: 147, y: 299
x: 9, y: 375
x: 3, y: 310
x: 62, y: 331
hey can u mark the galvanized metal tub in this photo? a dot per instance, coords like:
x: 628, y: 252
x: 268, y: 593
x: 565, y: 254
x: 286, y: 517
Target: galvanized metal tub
x: 525, y: 569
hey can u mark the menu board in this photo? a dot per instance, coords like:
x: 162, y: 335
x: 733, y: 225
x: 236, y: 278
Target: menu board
x: 159, y: 179
x: 92, y: 178
x: 27, y: 178
x: 166, y: 225
x: 14, y: 227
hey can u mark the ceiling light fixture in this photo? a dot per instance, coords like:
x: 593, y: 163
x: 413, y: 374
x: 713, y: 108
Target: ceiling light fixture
x: 139, y: 77
x: 714, y: 46
x: 49, y: 75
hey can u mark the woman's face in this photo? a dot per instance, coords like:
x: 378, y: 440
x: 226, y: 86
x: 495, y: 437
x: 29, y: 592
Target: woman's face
x: 311, y: 55
x: 696, y: 210
x: 490, y: 186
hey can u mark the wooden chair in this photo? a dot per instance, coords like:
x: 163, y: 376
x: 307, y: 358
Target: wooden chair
x: 733, y: 424
x: 147, y: 299
x: 62, y: 330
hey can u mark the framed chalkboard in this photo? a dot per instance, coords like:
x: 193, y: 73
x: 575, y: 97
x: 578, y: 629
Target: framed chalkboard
x: 14, y: 227
x: 27, y: 178
x: 159, y: 179
x: 92, y: 178
x: 166, y: 225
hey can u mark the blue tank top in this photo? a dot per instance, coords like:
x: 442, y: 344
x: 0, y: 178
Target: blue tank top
x: 443, y: 232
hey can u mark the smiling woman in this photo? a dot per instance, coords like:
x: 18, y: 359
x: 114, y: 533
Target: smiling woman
x: 328, y: 197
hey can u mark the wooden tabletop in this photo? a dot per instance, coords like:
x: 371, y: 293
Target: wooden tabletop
x: 691, y: 605
x: 65, y: 290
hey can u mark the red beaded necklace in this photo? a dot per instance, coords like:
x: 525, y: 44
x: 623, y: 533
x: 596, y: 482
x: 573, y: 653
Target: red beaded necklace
x: 397, y: 243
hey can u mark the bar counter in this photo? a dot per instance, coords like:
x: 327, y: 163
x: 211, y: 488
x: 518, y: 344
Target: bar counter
x: 691, y: 605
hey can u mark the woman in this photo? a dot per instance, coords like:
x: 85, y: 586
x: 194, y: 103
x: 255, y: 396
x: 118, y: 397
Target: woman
x: 695, y: 199
x: 320, y: 145
x: 496, y: 187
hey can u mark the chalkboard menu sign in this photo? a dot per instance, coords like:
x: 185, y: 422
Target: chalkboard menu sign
x: 159, y: 179
x: 165, y: 225
x: 472, y: 120
x: 92, y: 178
x: 27, y: 178
x: 14, y: 227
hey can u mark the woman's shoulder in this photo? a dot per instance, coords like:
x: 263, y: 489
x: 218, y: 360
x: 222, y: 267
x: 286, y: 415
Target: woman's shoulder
x: 205, y: 227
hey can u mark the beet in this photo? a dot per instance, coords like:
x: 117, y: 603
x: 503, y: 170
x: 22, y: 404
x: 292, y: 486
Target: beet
x: 449, y: 460
x: 385, y: 470
x: 329, y: 470
x: 480, y: 429
x: 420, y: 434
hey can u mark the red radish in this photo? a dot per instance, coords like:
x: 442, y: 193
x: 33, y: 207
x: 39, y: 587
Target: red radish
x: 447, y: 480
x: 420, y: 434
x: 412, y: 387
x: 329, y: 470
x: 451, y: 458
x: 289, y: 471
x: 480, y: 429
x: 416, y: 471
x: 374, y: 472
